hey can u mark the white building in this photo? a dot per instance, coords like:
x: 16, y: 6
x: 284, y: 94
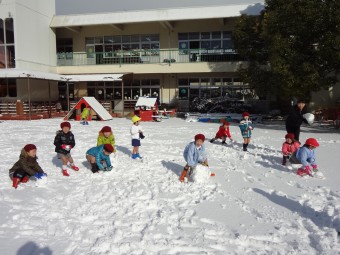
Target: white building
x: 174, y: 54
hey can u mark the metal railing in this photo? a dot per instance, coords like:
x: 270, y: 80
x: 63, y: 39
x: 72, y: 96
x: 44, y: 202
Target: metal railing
x: 146, y: 57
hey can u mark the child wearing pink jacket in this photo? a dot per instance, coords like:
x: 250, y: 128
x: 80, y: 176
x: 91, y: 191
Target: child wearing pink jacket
x: 289, y: 147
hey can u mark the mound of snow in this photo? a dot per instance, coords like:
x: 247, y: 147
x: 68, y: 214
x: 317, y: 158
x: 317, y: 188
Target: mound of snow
x: 200, y: 174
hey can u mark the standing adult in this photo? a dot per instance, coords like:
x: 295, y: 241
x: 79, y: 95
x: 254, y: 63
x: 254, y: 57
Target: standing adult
x: 295, y: 118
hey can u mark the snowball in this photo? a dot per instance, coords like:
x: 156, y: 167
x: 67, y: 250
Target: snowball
x: 309, y: 117
x: 200, y: 174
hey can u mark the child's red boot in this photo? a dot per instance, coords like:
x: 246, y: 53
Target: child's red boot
x: 16, y: 182
x: 65, y: 173
x: 75, y: 168
x: 212, y: 174
x: 184, y: 174
x: 25, y: 179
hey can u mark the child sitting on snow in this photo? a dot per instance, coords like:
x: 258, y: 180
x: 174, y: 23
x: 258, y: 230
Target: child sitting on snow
x: 246, y: 126
x: 26, y: 166
x: 194, y: 154
x: 99, y: 155
x: 64, y: 142
x: 136, y: 132
x: 222, y: 133
x: 289, y: 147
x: 106, y: 137
x: 305, y: 155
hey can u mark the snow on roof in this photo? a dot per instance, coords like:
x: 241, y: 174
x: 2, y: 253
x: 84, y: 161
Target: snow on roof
x: 98, y: 108
x: 158, y: 15
x: 146, y: 101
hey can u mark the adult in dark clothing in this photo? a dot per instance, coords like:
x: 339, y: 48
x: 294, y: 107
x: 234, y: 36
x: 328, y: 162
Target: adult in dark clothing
x: 295, y: 119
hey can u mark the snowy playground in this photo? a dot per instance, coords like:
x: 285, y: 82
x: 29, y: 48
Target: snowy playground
x: 253, y: 205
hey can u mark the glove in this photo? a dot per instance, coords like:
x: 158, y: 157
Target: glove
x: 315, y: 168
x: 38, y: 175
x: 66, y: 147
x: 308, y: 170
x: 141, y: 136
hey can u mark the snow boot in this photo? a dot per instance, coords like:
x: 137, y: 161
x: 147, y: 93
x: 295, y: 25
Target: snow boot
x: 65, y: 173
x: 75, y: 168
x: 94, y: 168
x: 16, y: 182
x: 138, y: 156
x: 212, y: 140
x: 25, y: 179
x: 134, y: 156
x: 223, y: 142
x: 284, y: 160
x: 245, y: 147
x: 184, y: 174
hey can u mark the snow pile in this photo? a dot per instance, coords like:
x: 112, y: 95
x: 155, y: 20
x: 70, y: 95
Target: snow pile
x: 253, y: 205
x: 200, y: 174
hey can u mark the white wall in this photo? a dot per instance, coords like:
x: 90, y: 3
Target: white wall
x: 34, y: 40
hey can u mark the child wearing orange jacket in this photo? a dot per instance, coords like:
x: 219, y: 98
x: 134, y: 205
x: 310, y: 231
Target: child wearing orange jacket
x: 222, y: 133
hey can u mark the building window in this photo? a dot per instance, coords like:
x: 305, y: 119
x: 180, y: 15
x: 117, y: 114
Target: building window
x: 110, y: 46
x: 65, y: 48
x: 209, y: 42
x: 7, y: 50
x: 8, y: 88
x: 133, y: 89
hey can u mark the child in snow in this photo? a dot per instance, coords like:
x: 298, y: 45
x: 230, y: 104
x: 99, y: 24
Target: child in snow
x: 99, y: 155
x: 305, y: 155
x: 26, y: 166
x: 246, y: 127
x: 289, y: 147
x: 64, y: 142
x: 106, y: 137
x: 84, y: 116
x: 222, y: 133
x: 136, y: 134
x: 194, y: 153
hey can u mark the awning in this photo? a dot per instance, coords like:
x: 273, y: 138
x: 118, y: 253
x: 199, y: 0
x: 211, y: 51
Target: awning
x: 17, y: 73
x: 92, y: 77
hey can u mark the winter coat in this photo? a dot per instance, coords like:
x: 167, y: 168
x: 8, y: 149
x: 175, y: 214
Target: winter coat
x: 306, y: 156
x: 223, y: 132
x: 105, y: 140
x: 98, y: 153
x: 194, y: 155
x: 246, y: 126
x: 289, y: 148
x: 26, y: 163
x: 295, y: 118
x: 64, y: 138
x: 85, y: 113
x: 134, y: 131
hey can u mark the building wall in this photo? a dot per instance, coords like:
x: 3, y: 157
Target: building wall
x: 35, y: 41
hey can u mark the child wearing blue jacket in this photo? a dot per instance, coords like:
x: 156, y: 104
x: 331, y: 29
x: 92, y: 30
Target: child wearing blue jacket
x: 305, y: 155
x: 246, y: 126
x: 99, y: 155
x: 194, y: 153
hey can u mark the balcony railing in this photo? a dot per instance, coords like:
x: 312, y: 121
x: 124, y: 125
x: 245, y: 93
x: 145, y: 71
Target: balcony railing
x: 146, y: 57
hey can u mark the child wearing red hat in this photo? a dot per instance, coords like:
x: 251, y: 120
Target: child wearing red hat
x: 246, y: 126
x: 305, y: 155
x: 99, y: 155
x: 106, y: 137
x: 194, y: 153
x: 289, y: 147
x: 64, y: 142
x: 222, y: 133
x: 26, y: 166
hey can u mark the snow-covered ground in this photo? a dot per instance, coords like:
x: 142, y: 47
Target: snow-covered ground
x: 253, y: 205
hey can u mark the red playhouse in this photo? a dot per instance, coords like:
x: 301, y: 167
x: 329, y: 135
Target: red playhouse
x: 145, y: 107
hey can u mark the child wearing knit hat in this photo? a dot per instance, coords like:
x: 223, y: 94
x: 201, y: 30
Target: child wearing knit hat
x: 194, y: 154
x: 246, y: 126
x: 106, y: 137
x: 99, y: 157
x: 222, y: 133
x: 289, y: 147
x: 64, y: 142
x: 26, y: 166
